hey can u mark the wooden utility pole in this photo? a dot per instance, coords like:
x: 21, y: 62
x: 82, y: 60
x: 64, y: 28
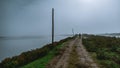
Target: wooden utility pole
x: 52, y: 26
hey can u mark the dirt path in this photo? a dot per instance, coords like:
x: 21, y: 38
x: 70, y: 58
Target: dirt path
x: 63, y: 61
x: 83, y: 59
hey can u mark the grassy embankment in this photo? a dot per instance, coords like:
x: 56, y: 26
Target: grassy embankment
x: 105, y: 50
x: 34, y: 58
x: 73, y: 59
x: 42, y: 62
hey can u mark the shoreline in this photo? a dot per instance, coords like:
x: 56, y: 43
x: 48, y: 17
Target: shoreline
x: 13, y: 47
x: 22, y: 59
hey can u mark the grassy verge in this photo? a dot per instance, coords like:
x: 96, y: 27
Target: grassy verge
x: 105, y: 50
x: 42, y: 62
x: 73, y: 59
x: 30, y: 56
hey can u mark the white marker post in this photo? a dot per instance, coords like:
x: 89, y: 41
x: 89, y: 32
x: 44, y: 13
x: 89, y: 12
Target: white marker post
x: 73, y: 31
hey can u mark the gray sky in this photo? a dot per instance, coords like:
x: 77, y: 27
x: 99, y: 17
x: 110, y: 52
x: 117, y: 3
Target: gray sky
x: 33, y: 17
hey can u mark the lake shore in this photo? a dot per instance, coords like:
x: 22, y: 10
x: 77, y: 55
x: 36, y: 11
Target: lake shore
x: 29, y: 56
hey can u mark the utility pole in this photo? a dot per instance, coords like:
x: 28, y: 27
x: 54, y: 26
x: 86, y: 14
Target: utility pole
x: 52, y: 26
x: 81, y: 37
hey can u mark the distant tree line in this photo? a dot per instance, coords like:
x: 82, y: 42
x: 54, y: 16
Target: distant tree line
x: 29, y: 56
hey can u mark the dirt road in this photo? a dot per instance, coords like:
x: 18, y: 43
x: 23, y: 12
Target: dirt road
x: 65, y: 60
x: 84, y: 57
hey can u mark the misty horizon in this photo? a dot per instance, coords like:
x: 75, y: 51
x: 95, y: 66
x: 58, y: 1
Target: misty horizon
x: 33, y: 17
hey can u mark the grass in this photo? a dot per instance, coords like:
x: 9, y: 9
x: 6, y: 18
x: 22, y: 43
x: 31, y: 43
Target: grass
x: 108, y: 64
x: 73, y: 59
x: 104, y: 50
x: 42, y: 62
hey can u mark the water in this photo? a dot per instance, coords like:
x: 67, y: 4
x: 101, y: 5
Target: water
x: 14, y: 46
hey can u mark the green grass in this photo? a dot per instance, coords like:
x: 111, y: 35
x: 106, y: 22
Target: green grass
x: 73, y: 59
x: 42, y: 62
x: 108, y: 64
x: 104, y: 50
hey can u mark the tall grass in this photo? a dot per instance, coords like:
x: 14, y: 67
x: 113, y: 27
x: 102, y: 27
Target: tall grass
x: 106, y: 50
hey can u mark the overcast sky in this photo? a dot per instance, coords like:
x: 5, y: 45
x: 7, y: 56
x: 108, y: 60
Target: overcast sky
x: 33, y: 17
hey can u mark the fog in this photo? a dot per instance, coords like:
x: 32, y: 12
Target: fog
x: 33, y: 17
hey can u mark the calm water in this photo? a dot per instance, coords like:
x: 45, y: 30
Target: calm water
x: 14, y: 46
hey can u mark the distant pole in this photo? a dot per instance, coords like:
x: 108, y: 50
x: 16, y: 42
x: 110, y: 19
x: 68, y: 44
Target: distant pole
x: 52, y: 26
x: 81, y: 37
x: 73, y: 31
